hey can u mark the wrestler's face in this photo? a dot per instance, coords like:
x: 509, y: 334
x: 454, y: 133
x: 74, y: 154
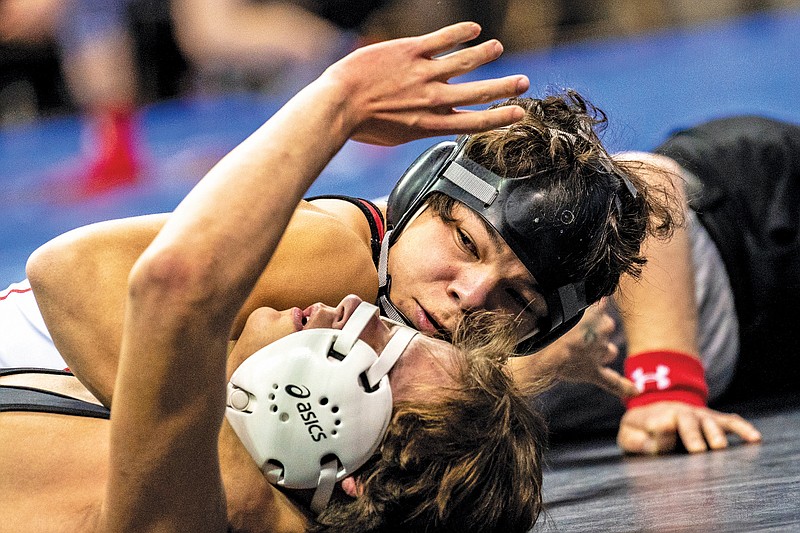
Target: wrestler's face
x: 426, y: 361
x: 440, y: 269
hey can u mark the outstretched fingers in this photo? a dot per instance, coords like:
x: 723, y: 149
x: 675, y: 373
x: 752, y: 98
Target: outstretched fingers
x: 400, y: 90
x: 447, y: 38
x: 716, y: 426
x: 465, y: 121
x: 689, y: 429
x: 482, y: 91
x: 734, y: 423
x: 654, y: 428
x: 467, y: 59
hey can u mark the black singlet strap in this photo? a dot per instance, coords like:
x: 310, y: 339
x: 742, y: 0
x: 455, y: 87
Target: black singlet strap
x: 29, y: 399
x: 33, y: 370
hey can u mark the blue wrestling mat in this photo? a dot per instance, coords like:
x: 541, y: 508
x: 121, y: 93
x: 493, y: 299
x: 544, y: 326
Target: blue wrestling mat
x: 648, y: 85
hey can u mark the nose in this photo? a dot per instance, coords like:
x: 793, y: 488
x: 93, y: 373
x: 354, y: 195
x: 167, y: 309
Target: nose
x: 320, y: 315
x: 345, y: 310
x: 368, y: 326
x: 473, y: 288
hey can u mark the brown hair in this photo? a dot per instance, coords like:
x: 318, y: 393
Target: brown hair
x: 469, y: 458
x: 558, y: 143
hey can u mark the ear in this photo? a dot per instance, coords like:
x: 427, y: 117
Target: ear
x: 411, y: 188
x: 351, y: 487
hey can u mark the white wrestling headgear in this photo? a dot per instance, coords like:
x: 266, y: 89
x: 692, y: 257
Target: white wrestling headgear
x: 312, y: 407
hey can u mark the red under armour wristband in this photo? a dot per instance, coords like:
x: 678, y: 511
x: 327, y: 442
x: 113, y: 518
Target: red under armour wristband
x: 664, y: 376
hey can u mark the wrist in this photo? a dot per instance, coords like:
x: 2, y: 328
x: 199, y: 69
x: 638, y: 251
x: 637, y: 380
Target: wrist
x: 666, y: 375
x: 342, y: 93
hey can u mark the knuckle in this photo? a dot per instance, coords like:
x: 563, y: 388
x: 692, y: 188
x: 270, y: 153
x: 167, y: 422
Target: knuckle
x: 657, y: 426
x: 467, y: 61
x: 483, y: 95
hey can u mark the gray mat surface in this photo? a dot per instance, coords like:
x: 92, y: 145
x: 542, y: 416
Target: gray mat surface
x: 592, y: 486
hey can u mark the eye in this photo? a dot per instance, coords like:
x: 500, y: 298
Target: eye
x: 521, y: 302
x: 466, y: 242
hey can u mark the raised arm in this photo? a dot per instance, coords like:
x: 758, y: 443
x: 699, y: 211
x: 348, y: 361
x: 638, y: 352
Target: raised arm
x: 184, y: 291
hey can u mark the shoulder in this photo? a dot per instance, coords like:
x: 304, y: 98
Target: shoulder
x: 322, y: 257
x: 330, y: 228
x: 347, y: 214
x: 98, y: 245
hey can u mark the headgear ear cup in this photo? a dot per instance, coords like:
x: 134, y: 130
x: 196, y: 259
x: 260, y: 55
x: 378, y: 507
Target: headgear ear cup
x: 404, y: 202
x: 409, y: 192
x: 312, y: 407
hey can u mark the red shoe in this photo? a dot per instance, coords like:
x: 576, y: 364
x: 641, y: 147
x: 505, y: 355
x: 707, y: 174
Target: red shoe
x: 113, y: 141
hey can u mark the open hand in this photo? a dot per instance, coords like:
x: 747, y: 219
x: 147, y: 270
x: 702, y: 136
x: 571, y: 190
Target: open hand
x: 656, y: 427
x: 398, y: 90
x: 580, y: 356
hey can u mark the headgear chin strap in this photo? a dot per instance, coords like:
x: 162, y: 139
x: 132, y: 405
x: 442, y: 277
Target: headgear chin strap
x: 312, y: 407
x: 385, y: 284
x: 542, y: 230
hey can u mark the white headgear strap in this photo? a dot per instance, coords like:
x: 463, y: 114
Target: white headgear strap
x: 312, y: 407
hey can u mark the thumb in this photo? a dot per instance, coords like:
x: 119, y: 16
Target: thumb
x: 613, y: 382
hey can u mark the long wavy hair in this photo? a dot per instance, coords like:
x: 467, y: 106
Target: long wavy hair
x: 558, y: 144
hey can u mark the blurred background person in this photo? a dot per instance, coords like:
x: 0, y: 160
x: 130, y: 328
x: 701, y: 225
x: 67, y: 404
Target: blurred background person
x: 98, y: 64
x: 270, y: 46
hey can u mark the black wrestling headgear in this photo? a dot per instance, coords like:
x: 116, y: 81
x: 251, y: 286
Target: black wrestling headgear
x: 532, y: 218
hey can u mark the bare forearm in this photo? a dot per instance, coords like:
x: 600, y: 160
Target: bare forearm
x: 658, y: 310
x: 183, y: 294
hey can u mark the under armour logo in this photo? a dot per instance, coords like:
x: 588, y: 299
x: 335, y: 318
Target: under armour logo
x: 659, y: 377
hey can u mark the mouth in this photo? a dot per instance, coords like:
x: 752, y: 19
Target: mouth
x: 426, y: 322
x: 305, y: 316
x: 298, y: 318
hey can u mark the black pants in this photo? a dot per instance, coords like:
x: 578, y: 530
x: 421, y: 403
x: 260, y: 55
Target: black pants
x: 749, y: 168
